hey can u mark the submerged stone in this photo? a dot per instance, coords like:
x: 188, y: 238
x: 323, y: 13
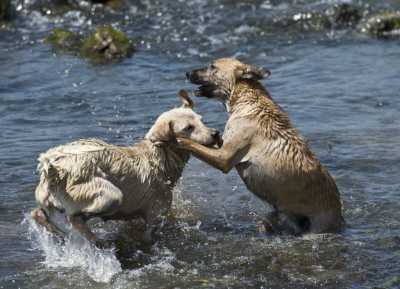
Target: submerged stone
x: 391, y: 282
x: 383, y: 24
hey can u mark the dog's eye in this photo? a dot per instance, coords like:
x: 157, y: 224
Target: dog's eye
x: 212, y: 67
x: 189, y: 127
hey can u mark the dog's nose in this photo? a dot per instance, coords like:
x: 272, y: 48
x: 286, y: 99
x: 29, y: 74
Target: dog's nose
x: 187, y: 74
x: 215, y: 134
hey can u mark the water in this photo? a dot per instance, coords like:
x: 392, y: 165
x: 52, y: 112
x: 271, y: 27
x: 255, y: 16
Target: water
x: 340, y: 88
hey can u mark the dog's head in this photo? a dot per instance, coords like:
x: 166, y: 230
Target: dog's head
x: 218, y: 79
x: 182, y: 122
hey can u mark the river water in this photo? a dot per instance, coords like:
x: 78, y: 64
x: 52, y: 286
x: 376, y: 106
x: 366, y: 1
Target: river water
x: 340, y: 87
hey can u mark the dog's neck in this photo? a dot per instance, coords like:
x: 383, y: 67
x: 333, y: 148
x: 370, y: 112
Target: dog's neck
x: 247, y: 89
x: 251, y: 98
x: 167, y: 163
x: 224, y: 98
x: 166, y: 157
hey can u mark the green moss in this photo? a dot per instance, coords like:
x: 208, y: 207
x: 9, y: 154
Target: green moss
x: 391, y: 282
x: 103, y: 46
x: 62, y: 39
x: 106, y: 43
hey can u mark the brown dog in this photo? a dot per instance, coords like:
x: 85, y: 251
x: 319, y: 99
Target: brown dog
x: 269, y: 154
x: 90, y: 178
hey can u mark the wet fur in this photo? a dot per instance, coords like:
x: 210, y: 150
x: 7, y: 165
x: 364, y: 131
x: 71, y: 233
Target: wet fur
x: 90, y: 178
x: 269, y: 154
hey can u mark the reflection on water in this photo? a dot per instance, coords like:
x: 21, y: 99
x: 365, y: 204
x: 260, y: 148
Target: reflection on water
x: 339, y: 86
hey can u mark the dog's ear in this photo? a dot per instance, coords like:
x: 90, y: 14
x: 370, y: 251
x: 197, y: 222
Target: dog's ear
x: 161, y: 132
x: 256, y: 73
x: 186, y: 100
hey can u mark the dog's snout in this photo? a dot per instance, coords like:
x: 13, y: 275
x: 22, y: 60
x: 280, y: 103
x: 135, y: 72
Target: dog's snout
x: 215, y: 134
x: 195, y: 76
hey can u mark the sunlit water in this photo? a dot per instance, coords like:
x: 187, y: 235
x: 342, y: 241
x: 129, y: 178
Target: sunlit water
x: 340, y: 88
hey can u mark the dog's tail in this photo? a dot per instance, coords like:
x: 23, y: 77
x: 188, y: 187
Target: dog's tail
x: 47, y: 161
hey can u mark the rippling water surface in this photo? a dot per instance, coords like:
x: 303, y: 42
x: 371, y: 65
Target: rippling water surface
x: 340, y: 87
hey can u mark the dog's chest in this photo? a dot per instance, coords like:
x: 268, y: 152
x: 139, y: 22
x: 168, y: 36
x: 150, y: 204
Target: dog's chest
x: 257, y: 180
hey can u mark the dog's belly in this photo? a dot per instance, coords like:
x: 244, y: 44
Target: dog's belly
x: 257, y: 180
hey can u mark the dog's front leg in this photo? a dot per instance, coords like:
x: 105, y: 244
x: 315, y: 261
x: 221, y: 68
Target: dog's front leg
x: 223, y: 159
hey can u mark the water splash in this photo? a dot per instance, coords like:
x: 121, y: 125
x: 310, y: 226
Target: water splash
x: 100, y: 264
x: 160, y: 263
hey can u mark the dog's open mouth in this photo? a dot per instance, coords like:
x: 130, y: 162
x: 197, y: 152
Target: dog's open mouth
x: 201, y: 88
x: 205, y: 90
x: 206, y: 87
x: 199, y: 91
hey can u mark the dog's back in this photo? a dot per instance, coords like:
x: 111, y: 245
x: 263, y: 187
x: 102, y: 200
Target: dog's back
x: 77, y: 173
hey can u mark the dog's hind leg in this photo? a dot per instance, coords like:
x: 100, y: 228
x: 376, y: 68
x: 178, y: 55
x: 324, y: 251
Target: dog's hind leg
x: 41, y: 217
x: 277, y: 221
x: 78, y: 220
x: 273, y: 222
x: 105, y: 200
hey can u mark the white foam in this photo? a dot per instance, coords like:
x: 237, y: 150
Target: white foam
x: 160, y: 264
x: 100, y: 264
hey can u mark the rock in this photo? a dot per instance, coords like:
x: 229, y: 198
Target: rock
x: 62, y: 39
x: 103, y: 46
x: 383, y: 24
x: 337, y: 16
x: 343, y: 15
x: 311, y: 21
x: 106, y: 44
x: 4, y: 8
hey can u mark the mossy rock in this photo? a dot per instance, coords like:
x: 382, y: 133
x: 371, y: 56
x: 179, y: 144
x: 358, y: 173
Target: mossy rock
x: 106, y: 44
x: 62, y: 39
x: 103, y: 46
x: 383, y: 24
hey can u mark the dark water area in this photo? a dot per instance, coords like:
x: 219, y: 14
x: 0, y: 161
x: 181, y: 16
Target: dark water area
x: 340, y: 86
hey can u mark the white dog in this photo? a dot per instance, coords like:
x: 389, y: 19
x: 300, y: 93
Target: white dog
x: 90, y: 178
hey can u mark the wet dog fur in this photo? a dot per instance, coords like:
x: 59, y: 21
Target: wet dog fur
x: 90, y: 178
x: 270, y: 156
